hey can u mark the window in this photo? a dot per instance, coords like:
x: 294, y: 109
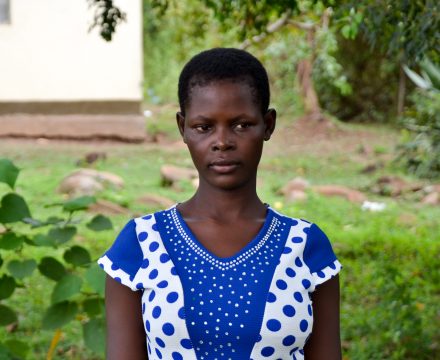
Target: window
x: 5, y: 15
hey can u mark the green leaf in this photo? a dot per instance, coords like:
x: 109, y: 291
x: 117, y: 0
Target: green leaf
x: 100, y: 223
x: 7, y: 286
x: 416, y: 78
x: 94, y: 307
x: 62, y: 235
x: 95, y: 276
x: 81, y: 203
x: 10, y: 241
x: 77, y: 256
x: 346, y: 31
x: 1, y: 260
x: 68, y: 286
x: 13, y: 208
x: 8, y: 172
x: 7, y: 315
x: 22, y: 269
x: 94, y: 335
x: 59, y: 314
x: 51, y: 268
x: 17, y: 348
x: 43, y: 240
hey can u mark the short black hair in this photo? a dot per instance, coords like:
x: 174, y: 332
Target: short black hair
x: 220, y: 64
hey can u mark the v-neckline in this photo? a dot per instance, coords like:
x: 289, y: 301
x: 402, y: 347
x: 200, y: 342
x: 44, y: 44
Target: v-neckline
x: 258, y: 240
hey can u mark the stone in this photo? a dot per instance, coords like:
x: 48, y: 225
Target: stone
x: 296, y: 195
x: 432, y: 198
x: 77, y: 185
x: 88, y: 182
x: 171, y: 174
x: 155, y: 201
x: 106, y: 207
x: 297, y: 184
x: 351, y: 195
x: 395, y: 186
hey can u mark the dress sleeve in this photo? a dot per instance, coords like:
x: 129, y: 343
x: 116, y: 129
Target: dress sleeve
x: 124, y: 258
x: 319, y: 256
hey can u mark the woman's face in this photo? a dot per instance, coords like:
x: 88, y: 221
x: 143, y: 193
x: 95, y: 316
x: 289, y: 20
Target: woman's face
x: 224, y: 131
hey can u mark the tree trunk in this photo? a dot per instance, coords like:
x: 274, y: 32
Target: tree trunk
x: 304, y: 70
x: 308, y: 93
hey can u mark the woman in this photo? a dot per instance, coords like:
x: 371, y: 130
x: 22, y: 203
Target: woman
x: 222, y: 275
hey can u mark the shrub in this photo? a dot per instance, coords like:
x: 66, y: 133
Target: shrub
x: 77, y: 290
x: 420, y: 150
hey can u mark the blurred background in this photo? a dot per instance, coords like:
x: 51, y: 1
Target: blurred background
x: 88, y: 96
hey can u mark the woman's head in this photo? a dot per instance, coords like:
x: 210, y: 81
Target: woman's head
x: 224, y: 64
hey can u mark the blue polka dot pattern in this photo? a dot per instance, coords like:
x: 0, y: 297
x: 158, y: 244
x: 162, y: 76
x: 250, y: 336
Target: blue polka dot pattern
x: 290, y: 272
x: 160, y: 342
x: 177, y: 356
x: 273, y: 325
x: 168, y: 329
x: 289, y: 340
x: 306, y: 283
x: 163, y: 284
x: 267, y: 351
x: 153, y: 274
x: 303, y: 325
x: 226, y: 300
x: 281, y: 284
x: 271, y: 297
x: 143, y: 236
x: 156, y: 312
x: 298, y: 297
x: 164, y: 258
x: 172, y: 297
x: 154, y: 246
x: 145, y: 263
x: 287, y: 250
x: 186, y: 343
x: 289, y: 310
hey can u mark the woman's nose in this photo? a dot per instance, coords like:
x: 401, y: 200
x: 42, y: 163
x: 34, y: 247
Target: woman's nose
x: 223, y: 140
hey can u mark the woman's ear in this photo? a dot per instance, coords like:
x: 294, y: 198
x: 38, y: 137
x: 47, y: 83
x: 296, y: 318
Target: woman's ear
x: 180, y: 119
x: 270, y: 119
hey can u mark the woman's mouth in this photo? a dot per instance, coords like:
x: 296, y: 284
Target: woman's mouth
x: 224, y: 166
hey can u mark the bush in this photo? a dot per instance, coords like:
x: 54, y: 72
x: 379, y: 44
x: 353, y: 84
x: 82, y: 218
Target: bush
x: 74, y: 280
x: 420, y: 150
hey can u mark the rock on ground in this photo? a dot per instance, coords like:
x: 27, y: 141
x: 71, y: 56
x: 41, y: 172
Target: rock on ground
x: 88, y: 182
x: 171, y: 174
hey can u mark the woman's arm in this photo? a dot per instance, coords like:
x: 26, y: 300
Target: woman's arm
x: 125, y: 330
x: 325, y: 341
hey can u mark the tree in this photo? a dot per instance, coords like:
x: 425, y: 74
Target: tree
x: 406, y: 31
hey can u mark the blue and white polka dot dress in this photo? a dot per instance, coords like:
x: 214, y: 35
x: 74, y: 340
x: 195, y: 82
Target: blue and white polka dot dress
x: 253, y: 305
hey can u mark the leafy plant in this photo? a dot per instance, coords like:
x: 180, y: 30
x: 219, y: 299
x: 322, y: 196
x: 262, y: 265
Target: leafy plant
x: 78, y: 283
x: 420, y: 150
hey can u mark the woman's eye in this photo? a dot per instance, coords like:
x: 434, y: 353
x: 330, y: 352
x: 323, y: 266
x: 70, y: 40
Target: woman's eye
x: 202, y: 127
x: 242, y: 126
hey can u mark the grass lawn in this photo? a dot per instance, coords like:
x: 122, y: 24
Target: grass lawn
x: 390, y: 280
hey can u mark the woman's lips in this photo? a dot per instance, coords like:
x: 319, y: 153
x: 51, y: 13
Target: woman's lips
x: 224, y: 166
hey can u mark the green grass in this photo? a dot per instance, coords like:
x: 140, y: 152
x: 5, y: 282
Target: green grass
x: 390, y: 281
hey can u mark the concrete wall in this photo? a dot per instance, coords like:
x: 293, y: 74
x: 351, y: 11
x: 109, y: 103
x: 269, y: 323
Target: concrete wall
x: 48, y: 55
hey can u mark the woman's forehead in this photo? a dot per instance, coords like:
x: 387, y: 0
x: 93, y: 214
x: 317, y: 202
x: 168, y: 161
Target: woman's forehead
x: 224, y: 92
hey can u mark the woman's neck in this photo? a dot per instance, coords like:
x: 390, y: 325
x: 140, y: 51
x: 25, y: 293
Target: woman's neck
x: 223, y: 205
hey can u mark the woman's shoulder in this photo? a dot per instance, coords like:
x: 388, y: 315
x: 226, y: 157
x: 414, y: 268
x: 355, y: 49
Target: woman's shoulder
x: 291, y: 220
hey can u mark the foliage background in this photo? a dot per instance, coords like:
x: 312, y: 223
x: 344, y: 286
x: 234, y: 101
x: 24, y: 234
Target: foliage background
x: 390, y: 279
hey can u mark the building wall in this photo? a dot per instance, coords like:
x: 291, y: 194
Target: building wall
x: 48, y: 55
